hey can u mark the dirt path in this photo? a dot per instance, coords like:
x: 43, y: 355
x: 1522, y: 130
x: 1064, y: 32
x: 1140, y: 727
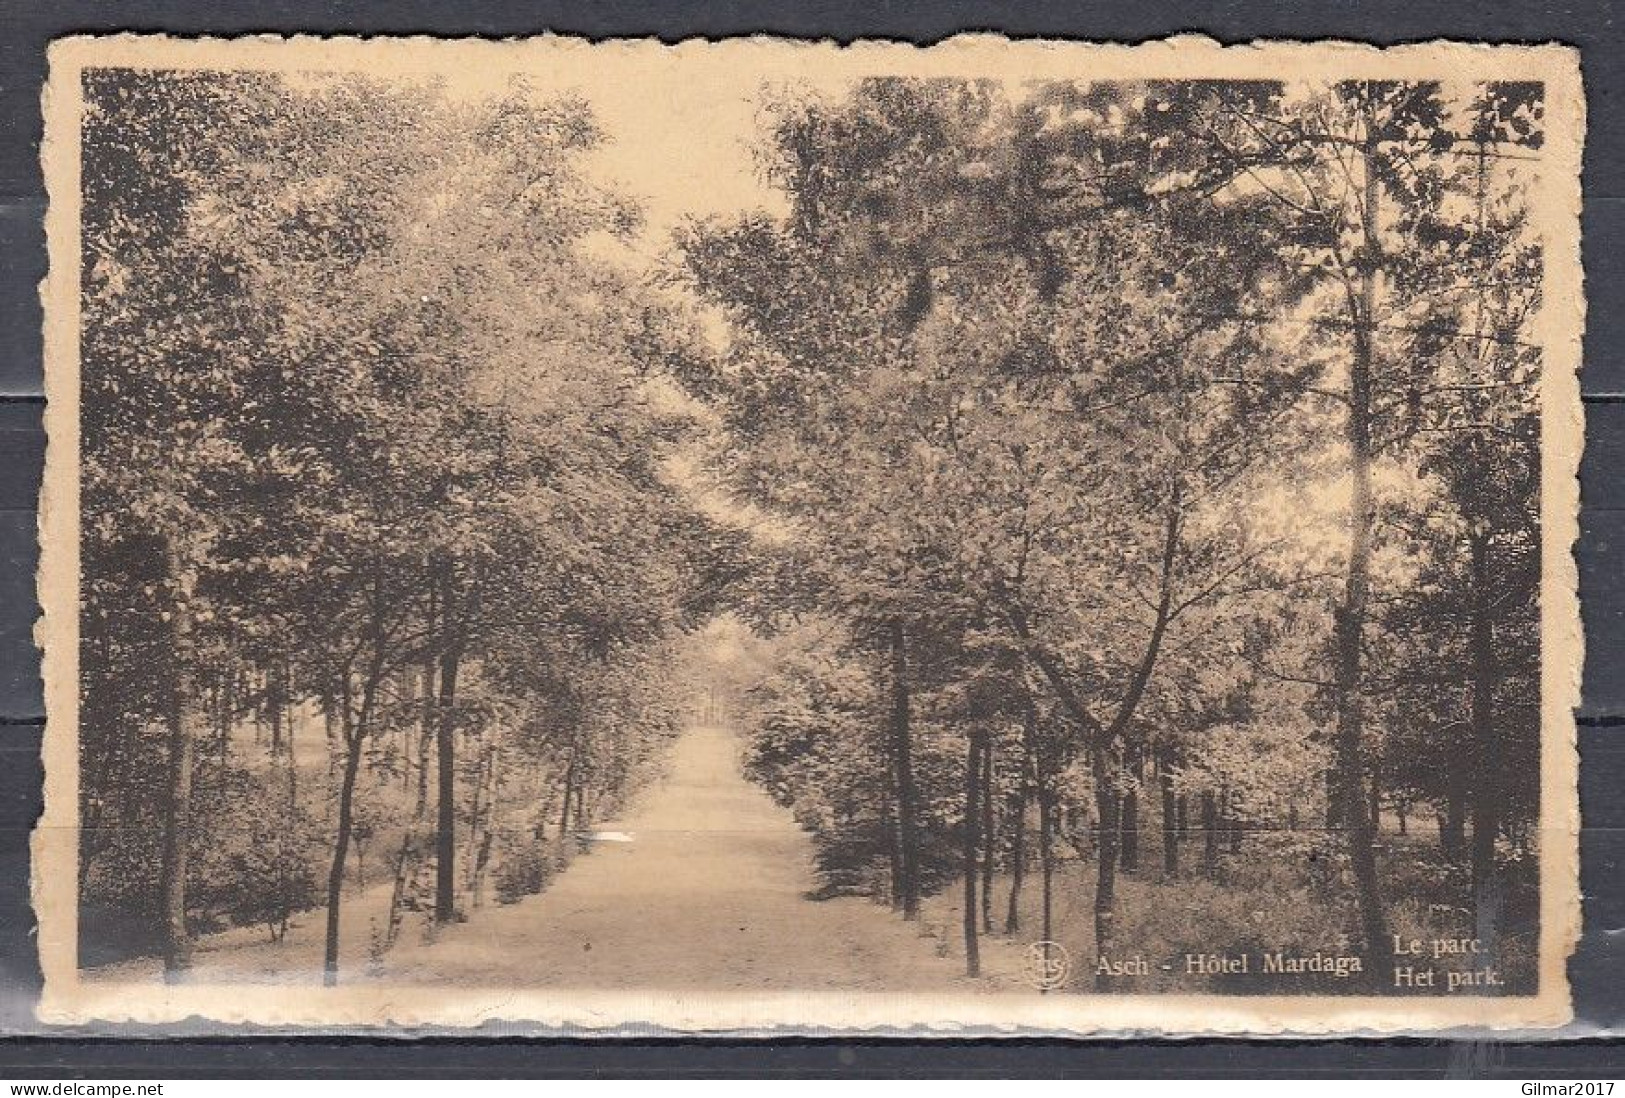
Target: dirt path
x: 709, y: 894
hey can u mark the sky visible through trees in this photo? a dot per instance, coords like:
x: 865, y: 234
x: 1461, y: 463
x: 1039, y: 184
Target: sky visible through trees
x: 1106, y: 513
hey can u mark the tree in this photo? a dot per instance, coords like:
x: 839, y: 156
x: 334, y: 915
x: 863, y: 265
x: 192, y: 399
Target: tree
x: 413, y: 426
x: 933, y: 383
x: 153, y: 384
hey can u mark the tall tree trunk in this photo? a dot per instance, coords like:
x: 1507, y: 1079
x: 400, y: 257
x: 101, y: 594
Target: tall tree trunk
x: 1452, y: 816
x: 1170, y: 822
x: 286, y: 901
x: 185, y: 720
x: 481, y: 815
x: 412, y: 843
x: 972, y: 829
x: 989, y: 834
x: 1350, y: 619
x: 331, y: 700
x: 485, y: 811
x: 1486, y: 742
x: 569, y: 792
x: 894, y: 844
x: 476, y: 808
x: 354, y: 728
x: 445, y: 891
x: 1025, y: 783
x: 1108, y: 800
x: 1018, y: 857
x: 341, y: 851
x: 1046, y: 857
x: 405, y: 863
x: 1210, y: 833
x: 903, y: 762
x: 1129, y: 855
x: 482, y: 862
x: 411, y: 849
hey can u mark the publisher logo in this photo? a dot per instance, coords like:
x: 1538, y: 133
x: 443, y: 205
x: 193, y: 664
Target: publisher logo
x: 1048, y: 965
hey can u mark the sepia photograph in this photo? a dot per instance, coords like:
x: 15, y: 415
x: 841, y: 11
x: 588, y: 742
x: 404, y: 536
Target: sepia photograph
x: 760, y: 536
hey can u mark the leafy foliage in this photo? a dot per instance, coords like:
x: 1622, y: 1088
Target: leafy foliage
x: 366, y: 426
x: 1033, y: 373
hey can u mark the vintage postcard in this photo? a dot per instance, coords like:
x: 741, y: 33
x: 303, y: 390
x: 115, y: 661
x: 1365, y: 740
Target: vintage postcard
x: 1008, y: 537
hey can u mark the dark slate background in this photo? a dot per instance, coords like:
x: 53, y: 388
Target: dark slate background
x: 1598, y: 969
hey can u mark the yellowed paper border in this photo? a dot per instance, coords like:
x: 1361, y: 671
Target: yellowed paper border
x: 730, y: 66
